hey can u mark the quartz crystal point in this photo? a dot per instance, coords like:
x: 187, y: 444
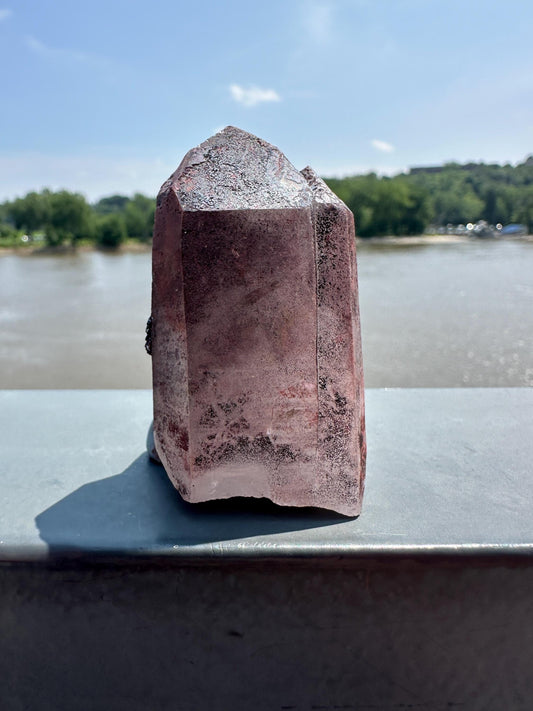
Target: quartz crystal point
x: 255, y: 333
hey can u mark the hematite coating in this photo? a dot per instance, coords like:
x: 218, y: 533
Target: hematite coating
x: 257, y: 368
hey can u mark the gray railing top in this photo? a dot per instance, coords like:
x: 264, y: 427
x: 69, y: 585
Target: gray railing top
x: 450, y: 472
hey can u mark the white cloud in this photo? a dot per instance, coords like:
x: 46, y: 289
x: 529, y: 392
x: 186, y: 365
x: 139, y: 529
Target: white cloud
x: 92, y: 175
x: 318, y: 22
x: 70, y: 55
x: 5, y: 13
x: 382, y: 146
x: 252, y: 96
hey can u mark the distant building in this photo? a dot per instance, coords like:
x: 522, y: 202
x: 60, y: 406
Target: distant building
x: 457, y: 166
x: 426, y: 169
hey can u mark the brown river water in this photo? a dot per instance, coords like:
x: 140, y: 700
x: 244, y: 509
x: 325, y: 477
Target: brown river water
x: 439, y: 315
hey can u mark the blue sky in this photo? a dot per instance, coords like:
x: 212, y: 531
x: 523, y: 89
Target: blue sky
x: 106, y: 97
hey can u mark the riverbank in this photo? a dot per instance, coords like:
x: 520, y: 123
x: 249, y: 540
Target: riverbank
x: 415, y: 239
x: 439, y: 239
x: 135, y: 247
x: 28, y: 250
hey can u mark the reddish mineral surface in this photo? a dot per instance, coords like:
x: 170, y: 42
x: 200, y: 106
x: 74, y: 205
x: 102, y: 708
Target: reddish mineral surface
x: 255, y: 334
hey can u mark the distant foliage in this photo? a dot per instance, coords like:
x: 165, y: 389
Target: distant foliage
x: 111, y: 231
x: 406, y: 204
x: 139, y: 215
x: 115, y: 204
x: 70, y: 218
x: 453, y: 193
x: 467, y: 193
x: 30, y: 213
x: 65, y: 217
x: 385, y: 206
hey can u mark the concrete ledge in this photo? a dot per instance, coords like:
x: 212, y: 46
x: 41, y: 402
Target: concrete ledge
x: 116, y: 595
x: 450, y: 472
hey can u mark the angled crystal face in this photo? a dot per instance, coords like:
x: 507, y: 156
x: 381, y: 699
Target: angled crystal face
x: 257, y: 372
x: 234, y: 170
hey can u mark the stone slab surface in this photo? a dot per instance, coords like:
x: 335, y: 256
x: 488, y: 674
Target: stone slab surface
x: 449, y: 472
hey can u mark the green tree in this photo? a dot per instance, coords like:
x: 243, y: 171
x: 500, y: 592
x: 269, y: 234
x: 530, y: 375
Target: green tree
x: 385, y: 206
x: 111, y: 231
x: 111, y: 205
x: 523, y: 211
x: 139, y: 216
x: 70, y: 218
x: 32, y: 212
x: 9, y: 236
x: 418, y: 211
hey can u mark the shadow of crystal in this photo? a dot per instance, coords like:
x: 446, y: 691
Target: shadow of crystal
x: 138, y: 512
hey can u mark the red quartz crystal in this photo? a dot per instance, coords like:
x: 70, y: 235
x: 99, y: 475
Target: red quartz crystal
x: 255, y: 334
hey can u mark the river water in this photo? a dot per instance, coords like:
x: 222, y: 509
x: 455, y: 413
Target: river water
x: 446, y: 315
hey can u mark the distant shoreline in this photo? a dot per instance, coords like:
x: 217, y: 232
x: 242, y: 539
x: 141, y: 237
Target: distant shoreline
x: 440, y: 239
x: 25, y: 250
x: 140, y: 248
x: 415, y: 239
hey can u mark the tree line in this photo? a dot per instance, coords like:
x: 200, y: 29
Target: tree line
x: 412, y: 202
x: 64, y: 217
x: 406, y: 204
